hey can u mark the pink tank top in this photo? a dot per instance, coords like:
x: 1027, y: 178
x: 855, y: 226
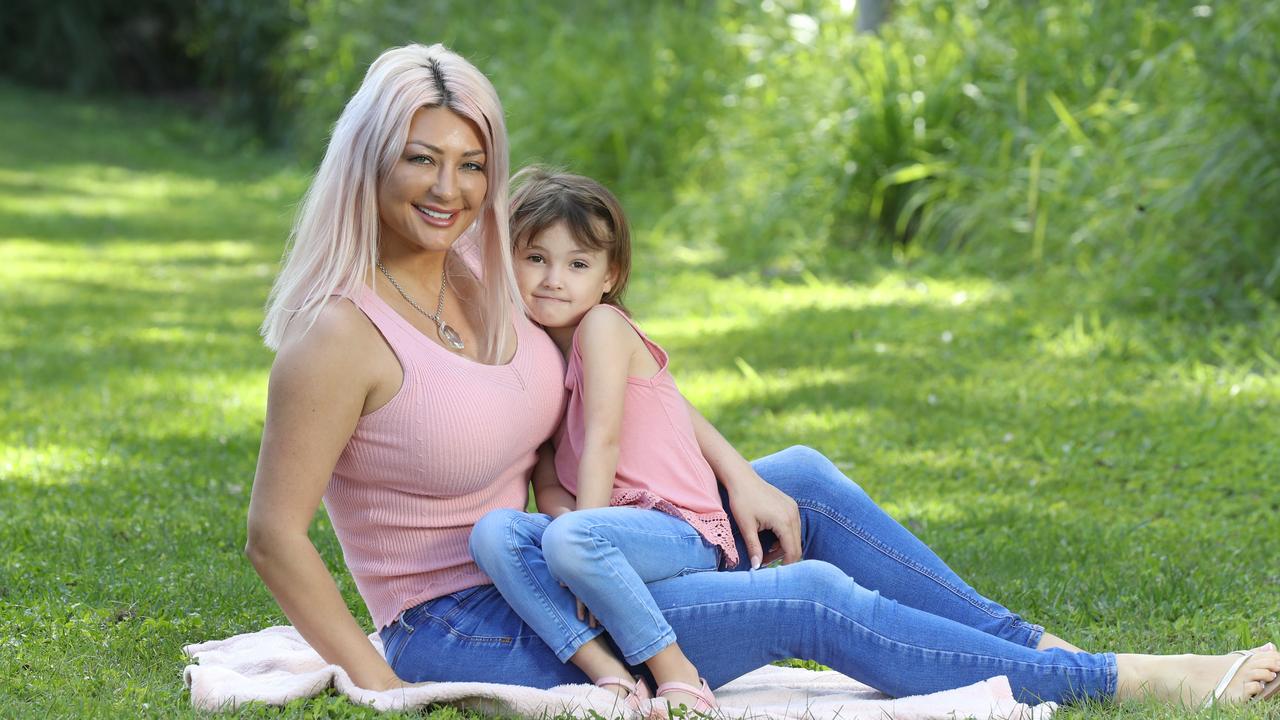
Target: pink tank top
x: 459, y: 439
x: 660, y: 465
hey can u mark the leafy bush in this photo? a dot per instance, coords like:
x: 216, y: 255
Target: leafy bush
x: 1129, y: 144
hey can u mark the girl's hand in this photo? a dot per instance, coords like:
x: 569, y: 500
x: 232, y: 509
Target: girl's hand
x: 583, y: 612
x: 758, y: 506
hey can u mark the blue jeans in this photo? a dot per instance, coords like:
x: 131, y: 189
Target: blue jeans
x: 870, y: 600
x: 605, y: 556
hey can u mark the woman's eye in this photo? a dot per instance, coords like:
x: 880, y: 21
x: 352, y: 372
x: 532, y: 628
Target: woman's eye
x: 474, y: 166
x: 420, y: 159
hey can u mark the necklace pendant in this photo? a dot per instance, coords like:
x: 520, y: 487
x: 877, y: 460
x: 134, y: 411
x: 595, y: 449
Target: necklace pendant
x: 450, y: 336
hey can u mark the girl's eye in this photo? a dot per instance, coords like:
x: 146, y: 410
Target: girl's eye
x: 578, y: 264
x: 534, y: 258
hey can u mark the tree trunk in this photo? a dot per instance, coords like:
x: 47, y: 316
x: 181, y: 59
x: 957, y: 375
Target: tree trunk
x: 871, y: 15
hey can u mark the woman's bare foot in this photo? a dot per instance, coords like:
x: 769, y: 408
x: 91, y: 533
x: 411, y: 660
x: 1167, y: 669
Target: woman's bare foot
x: 1191, y: 679
x: 1049, y: 640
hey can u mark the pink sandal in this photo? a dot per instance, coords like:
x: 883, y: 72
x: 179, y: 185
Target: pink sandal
x: 637, y: 697
x: 705, y: 702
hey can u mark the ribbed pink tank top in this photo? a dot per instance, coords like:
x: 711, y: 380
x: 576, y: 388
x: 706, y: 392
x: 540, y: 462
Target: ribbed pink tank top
x: 660, y: 465
x: 458, y: 440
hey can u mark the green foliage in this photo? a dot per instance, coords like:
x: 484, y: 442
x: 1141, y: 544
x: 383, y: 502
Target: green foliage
x: 1131, y: 145
x: 1105, y: 471
x: 1126, y: 142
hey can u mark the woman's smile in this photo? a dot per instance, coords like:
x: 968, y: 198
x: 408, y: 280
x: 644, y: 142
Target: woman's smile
x: 437, y: 217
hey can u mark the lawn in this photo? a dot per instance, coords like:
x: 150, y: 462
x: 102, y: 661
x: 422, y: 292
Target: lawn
x: 1111, y: 475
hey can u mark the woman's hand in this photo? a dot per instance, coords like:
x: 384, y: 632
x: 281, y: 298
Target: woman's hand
x: 758, y: 506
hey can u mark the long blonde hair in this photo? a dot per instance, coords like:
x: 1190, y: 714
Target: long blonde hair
x: 333, y: 247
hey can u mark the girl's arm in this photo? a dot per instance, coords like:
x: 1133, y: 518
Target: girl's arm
x: 607, y: 344
x: 756, y: 505
x: 548, y: 493
x: 312, y: 408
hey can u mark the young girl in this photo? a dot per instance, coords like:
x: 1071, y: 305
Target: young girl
x: 633, y: 499
x: 627, y: 442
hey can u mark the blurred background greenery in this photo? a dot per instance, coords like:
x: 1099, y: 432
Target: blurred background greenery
x: 1130, y: 147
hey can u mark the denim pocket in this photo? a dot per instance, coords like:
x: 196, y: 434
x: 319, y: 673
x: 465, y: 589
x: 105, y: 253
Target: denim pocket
x: 480, y: 615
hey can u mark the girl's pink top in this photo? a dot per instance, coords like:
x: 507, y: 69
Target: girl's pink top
x: 660, y: 465
x: 459, y: 439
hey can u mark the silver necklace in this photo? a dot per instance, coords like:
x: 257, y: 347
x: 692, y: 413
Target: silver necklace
x: 450, y: 336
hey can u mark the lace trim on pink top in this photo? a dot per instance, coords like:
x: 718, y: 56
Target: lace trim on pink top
x: 714, y: 526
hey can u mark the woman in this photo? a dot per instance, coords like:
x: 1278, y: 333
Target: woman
x: 411, y: 394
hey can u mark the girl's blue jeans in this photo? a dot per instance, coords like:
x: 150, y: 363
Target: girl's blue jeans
x: 870, y: 600
x: 606, y: 557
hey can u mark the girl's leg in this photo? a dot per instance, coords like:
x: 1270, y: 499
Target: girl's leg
x: 606, y: 555
x: 841, y: 525
x: 507, y: 545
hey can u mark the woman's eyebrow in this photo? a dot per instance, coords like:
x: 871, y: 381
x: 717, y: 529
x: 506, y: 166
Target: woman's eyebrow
x: 437, y: 150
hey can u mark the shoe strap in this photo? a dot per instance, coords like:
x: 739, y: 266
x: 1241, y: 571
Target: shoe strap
x: 623, y: 683
x: 703, y: 693
x: 1231, y: 675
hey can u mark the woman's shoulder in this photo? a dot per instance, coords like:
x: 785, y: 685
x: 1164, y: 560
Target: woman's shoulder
x: 335, y: 344
x: 337, y: 321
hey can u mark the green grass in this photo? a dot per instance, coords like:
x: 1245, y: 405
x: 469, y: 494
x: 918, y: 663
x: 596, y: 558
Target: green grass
x: 1107, y: 473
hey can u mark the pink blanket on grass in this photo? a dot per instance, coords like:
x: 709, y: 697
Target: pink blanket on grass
x: 275, y: 665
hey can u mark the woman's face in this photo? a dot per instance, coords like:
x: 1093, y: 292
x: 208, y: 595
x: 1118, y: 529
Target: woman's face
x: 438, y: 185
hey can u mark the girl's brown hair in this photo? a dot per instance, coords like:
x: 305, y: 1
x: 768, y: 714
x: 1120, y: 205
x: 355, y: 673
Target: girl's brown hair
x: 545, y: 196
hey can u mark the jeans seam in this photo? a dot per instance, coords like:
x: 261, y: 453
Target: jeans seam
x: 543, y: 596
x: 688, y: 536
x: 590, y: 527
x: 456, y: 633
x: 888, y: 552
x: 659, y: 621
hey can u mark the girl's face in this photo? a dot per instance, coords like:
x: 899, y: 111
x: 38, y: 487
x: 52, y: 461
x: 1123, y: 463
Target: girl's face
x: 437, y: 187
x: 559, y: 279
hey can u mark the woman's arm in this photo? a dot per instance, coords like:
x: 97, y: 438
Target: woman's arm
x: 607, y: 343
x: 549, y: 495
x: 314, y: 400
x: 756, y: 505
